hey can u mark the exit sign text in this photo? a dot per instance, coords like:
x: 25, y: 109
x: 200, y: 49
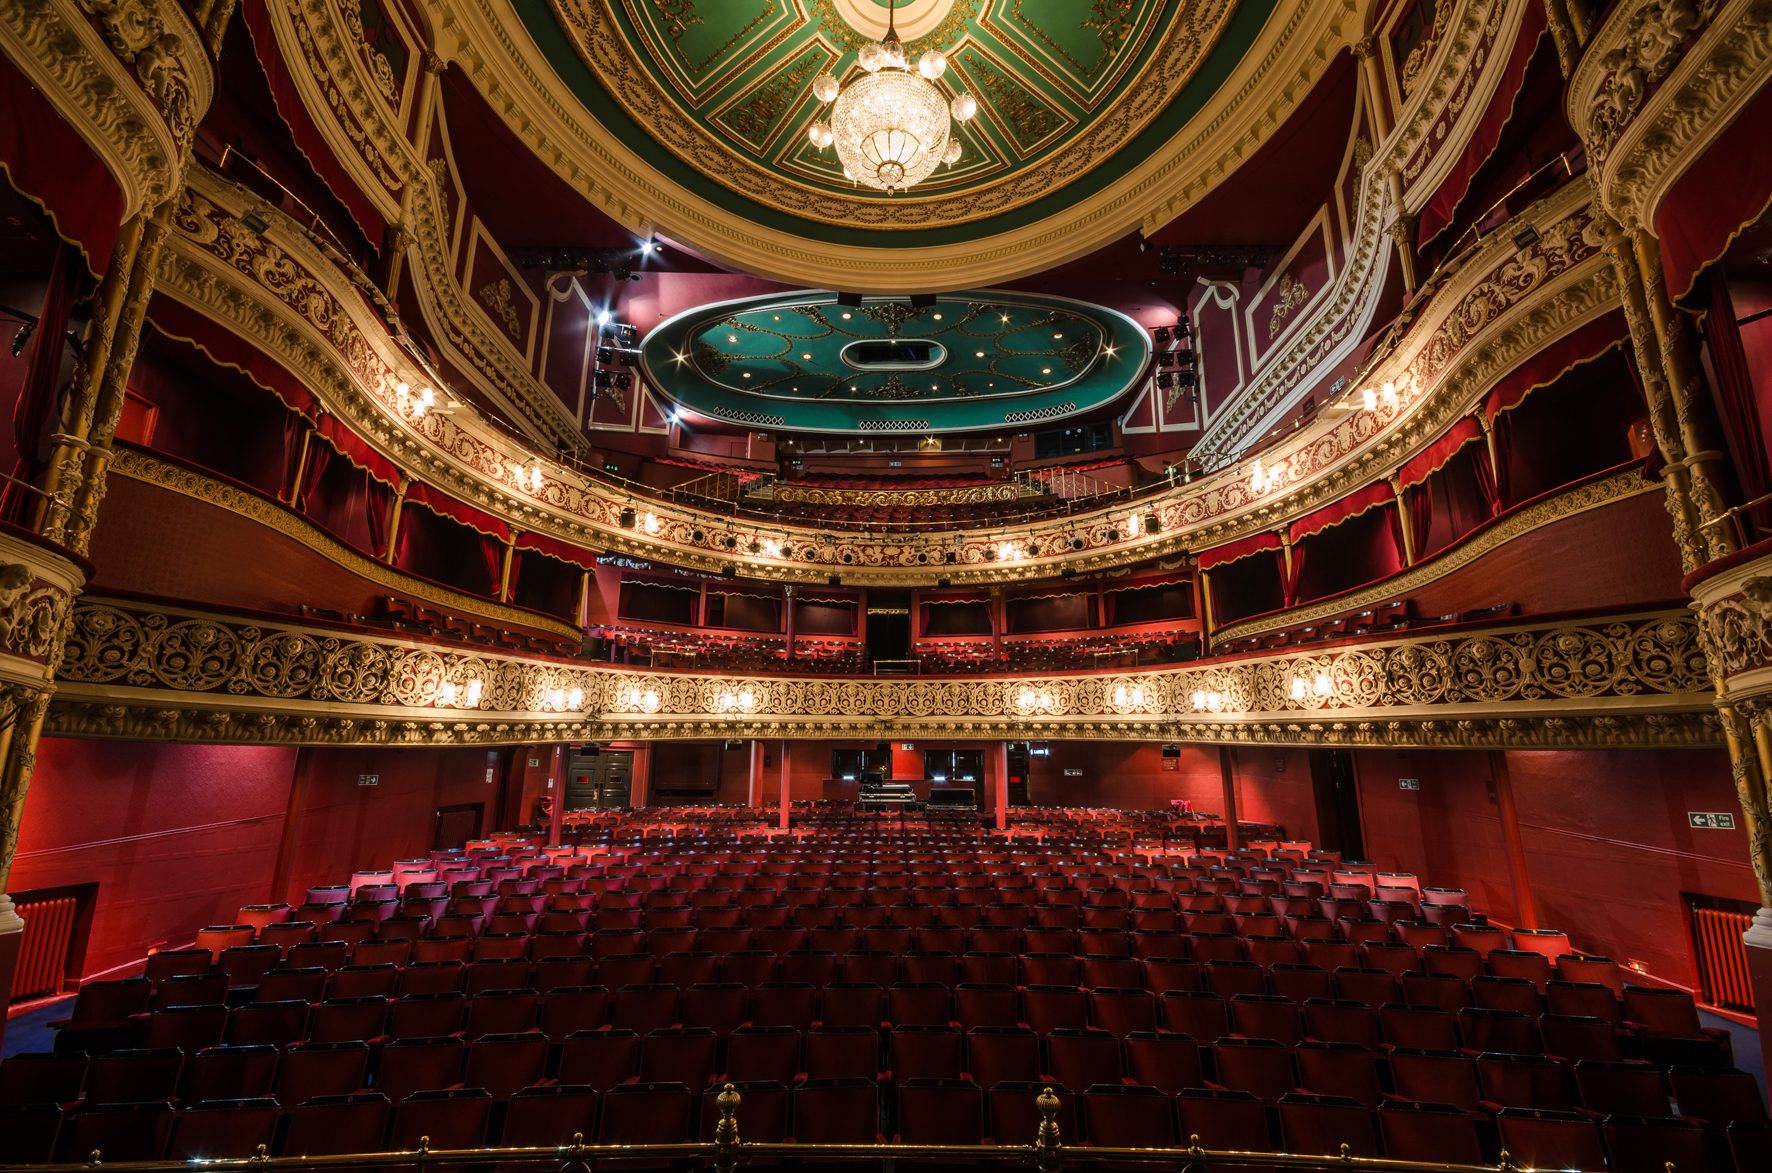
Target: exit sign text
x: 1721, y: 821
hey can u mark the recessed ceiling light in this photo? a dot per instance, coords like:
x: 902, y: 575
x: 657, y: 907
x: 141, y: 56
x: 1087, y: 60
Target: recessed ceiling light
x: 746, y: 375
x: 1058, y: 335
x: 1043, y: 371
x: 846, y: 315
x: 732, y: 337
x: 938, y: 317
x: 778, y: 317
x: 806, y: 354
x: 980, y: 353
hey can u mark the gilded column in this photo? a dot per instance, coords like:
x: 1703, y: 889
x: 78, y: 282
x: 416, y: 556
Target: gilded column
x: 1692, y: 403
x: 1662, y: 415
x: 23, y: 709
x: 108, y: 404
x: 62, y: 476
x: 1405, y: 524
x: 1402, y: 230
x: 1365, y: 52
x: 1562, y: 32
x: 1750, y: 765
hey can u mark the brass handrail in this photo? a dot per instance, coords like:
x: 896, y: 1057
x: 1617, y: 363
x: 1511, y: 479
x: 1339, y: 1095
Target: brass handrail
x: 1048, y: 1154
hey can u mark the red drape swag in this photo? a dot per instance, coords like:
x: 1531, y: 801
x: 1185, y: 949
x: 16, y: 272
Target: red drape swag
x: 1735, y: 388
x: 302, y: 127
x: 1554, y: 361
x: 554, y: 548
x: 516, y: 570
x: 1336, y: 512
x: 224, y: 348
x: 295, y: 428
x: 444, y: 505
x: 46, y: 162
x: 1432, y: 459
x: 1437, y: 216
x: 1242, y: 548
x: 1722, y: 192
x: 37, y: 397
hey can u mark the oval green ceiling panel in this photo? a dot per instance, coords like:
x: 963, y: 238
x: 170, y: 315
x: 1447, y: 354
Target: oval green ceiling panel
x: 1065, y: 89
x: 969, y: 361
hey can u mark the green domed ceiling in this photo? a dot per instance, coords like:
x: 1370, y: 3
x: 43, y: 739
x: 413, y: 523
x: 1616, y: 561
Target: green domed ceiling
x: 969, y: 360
x: 718, y: 95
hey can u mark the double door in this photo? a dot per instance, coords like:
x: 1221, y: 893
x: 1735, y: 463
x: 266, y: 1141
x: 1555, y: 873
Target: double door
x: 599, y: 780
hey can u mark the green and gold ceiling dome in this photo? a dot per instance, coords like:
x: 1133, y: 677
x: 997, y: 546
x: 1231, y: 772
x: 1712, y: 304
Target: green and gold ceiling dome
x: 960, y: 362
x: 1072, y: 97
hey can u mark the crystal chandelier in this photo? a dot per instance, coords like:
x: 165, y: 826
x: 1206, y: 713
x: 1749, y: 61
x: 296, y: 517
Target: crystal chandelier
x: 890, y: 126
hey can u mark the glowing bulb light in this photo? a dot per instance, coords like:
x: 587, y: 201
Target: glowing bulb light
x: 473, y: 693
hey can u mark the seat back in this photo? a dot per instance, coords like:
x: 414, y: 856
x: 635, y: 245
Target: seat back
x: 1436, y: 1133
x: 1326, y: 1125
x: 224, y: 1130
x: 599, y: 1059
x: 452, y: 1119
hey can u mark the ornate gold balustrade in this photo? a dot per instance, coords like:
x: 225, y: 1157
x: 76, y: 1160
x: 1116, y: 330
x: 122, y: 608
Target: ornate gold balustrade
x: 140, y: 671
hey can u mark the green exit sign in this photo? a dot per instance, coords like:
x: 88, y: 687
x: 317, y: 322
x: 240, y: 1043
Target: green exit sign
x: 1721, y: 821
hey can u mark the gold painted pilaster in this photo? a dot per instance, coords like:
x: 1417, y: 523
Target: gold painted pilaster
x: 394, y: 512
x: 61, y: 478
x: 1365, y: 52
x: 1749, y: 766
x: 23, y: 718
x: 1402, y: 230
x: 1556, y: 14
x: 1405, y: 526
x: 215, y: 24
x: 107, y: 407
x: 1692, y: 404
x: 1662, y: 415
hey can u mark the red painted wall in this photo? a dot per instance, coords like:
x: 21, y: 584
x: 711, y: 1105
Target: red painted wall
x: 1608, y: 846
x: 176, y: 836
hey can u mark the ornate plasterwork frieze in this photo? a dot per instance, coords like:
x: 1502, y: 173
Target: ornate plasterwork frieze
x: 128, y: 664
x: 1450, y: 112
x: 37, y: 589
x: 139, y: 466
x: 1293, y: 48
x: 1593, y: 495
x: 1735, y: 612
x: 280, y: 293
x: 1656, y: 84
x: 132, y: 79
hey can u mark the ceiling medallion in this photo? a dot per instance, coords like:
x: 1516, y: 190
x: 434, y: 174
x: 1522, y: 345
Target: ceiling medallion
x: 890, y: 125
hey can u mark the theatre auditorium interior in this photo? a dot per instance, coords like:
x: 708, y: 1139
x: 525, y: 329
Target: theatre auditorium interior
x: 828, y: 584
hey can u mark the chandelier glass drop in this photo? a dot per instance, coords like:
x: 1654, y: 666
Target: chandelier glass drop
x: 890, y: 126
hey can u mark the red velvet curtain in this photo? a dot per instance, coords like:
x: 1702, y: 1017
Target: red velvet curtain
x: 319, y: 456
x: 37, y: 397
x: 378, y: 504
x: 1397, y: 523
x: 1289, y: 582
x: 516, y: 569
x: 1494, y: 481
x: 493, y: 550
x: 1420, y: 500
x: 1735, y: 388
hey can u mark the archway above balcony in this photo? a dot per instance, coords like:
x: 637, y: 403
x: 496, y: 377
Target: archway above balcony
x: 963, y: 362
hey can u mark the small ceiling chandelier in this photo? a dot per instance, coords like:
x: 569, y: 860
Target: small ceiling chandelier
x: 890, y: 126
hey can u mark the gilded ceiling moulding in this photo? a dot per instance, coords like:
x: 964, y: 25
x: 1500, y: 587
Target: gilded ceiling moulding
x: 485, y: 38
x: 602, y: 44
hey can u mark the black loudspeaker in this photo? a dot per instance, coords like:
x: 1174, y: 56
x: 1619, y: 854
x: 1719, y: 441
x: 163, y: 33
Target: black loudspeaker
x: 883, y: 746
x: 922, y: 301
x: 834, y: 580
x: 591, y: 749
x: 1172, y: 751
x: 852, y: 300
x: 627, y: 519
x: 1152, y: 524
x: 734, y: 745
x: 944, y: 583
x: 728, y: 571
x: 696, y: 535
x: 952, y: 557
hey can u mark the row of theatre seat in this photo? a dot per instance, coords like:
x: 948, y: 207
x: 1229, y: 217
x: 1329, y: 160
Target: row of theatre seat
x: 868, y: 982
